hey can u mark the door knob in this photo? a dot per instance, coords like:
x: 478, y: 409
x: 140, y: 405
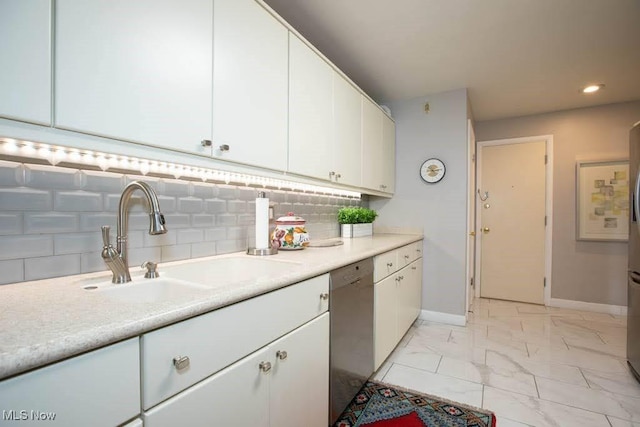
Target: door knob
x: 486, y: 230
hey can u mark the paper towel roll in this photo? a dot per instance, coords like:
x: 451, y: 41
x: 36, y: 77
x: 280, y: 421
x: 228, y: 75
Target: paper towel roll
x: 262, y: 221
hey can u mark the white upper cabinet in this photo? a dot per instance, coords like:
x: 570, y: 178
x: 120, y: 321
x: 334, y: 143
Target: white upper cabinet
x: 378, y: 148
x: 310, y: 111
x: 250, y: 83
x: 25, y: 60
x: 347, y: 120
x: 136, y: 70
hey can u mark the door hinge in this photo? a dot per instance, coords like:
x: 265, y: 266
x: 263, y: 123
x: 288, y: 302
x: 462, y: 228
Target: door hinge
x: 546, y: 159
x: 545, y: 220
x: 471, y: 282
x: 544, y: 282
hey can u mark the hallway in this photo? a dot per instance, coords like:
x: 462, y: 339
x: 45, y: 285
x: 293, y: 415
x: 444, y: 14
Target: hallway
x: 532, y: 365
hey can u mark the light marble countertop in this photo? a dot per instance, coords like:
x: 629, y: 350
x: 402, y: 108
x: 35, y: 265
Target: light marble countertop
x: 46, y: 321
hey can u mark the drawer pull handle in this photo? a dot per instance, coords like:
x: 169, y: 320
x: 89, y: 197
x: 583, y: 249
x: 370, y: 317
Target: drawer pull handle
x: 324, y: 296
x: 401, y: 277
x: 281, y: 354
x: 414, y: 268
x: 389, y: 264
x: 265, y: 366
x: 406, y: 257
x: 418, y: 250
x: 181, y: 362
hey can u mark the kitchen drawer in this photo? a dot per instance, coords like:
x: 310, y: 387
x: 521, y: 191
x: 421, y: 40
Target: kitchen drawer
x: 100, y: 388
x: 385, y: 264
x: 409, y: 253
x: 217, y: 339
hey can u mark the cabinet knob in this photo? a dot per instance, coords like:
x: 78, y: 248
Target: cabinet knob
x: 401, y: 277
x: 406, y: 257
x: 223, y: 147
x: 332, y: 174
x: 414, y: 268
x: 205, y: 143
x: 398, y: 279
x: 389, y: 264
x: 265, y: 366
x: 324, y: 296
x: 281, y: 354
x: 418, y: 250
x: 181, y: 362
x: 338, y: 176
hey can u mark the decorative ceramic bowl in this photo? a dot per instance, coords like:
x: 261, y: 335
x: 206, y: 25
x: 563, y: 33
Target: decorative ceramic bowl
x: 290, y: 233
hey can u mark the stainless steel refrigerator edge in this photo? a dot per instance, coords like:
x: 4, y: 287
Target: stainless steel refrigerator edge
x: 633, y: 301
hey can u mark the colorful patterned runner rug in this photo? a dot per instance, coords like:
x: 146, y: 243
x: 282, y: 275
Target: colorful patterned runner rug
x: 382, y: 405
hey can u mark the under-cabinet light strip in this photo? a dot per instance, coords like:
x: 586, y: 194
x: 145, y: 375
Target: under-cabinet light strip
x: 55, y: 154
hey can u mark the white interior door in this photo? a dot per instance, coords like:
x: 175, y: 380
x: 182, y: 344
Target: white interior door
x: 471, y: 213
x: 513, y: 221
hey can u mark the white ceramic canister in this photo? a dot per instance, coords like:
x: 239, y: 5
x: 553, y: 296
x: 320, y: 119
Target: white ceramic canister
x: 290, y: 233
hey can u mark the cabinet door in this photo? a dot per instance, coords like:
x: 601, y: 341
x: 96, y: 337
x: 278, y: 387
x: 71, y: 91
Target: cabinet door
x: 299, y: 391
x: 372, y: 164
x: 347, y: 119
x: 310, y: 111
x: 236, y: 396
x: 405, y: 301
x: 388, y: 154
x: 99, y: 388
x: 25, y: 43
x: 385, y: 315
x: 250, y: 83
x: 136, y: 70
x: 416, y: 288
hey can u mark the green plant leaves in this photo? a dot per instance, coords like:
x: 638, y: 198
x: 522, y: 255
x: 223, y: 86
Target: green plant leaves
x: 356, y: 215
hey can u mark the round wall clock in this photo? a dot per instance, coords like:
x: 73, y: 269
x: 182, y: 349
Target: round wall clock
x: 432, y: 171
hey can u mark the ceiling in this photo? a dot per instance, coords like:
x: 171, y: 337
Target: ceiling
x: 516, y: 57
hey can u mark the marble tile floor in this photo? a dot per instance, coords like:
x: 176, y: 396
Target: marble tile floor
x: 531, y: 365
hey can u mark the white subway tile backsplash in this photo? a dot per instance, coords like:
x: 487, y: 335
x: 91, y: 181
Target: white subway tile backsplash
x: 203, y: 220
x: 190, y: 236
x: 12, y: 271
x: 215, y: 206
x: 203, y: 249
x: 226, y: 220
x: 102, y: 181
x: 11, y: 174
x: 137, y: 256
x: 190, y: 205
x: 51, y: 266
x: 77, y: 201
x: 50, y: 219
x: 95, y: 221
x: 77, y: 243
x: 25, y: 246
x: 227, y: 192
x: 175, y: 253
x: 167, y: 239
x: 50, y: 222
x: 25, y: 199
x: 217, y: 233
x: 52, y: 177
x: 236, y: 206
x: 10, y: 223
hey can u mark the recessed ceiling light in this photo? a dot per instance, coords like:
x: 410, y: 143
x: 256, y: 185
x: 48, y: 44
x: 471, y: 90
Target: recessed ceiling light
x: 592, y: 88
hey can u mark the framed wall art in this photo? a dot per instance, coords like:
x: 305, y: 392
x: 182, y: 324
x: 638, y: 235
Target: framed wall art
x: 602, y: 199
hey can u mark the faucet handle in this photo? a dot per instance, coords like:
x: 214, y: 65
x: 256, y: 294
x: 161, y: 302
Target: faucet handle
x: 152, y: 269
x: 105, y: 235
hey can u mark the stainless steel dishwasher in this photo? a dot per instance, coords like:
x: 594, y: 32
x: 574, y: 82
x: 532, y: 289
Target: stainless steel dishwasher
x: 351, y: 308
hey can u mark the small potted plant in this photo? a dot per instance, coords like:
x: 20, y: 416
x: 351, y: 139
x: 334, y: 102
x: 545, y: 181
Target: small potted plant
x: 356, y: 221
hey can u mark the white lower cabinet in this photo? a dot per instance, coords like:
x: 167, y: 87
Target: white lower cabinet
x: 397, y: 297
x: 283, y: 384
x: 99, y: 388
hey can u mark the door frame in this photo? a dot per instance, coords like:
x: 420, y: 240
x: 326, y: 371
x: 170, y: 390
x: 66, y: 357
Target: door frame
x: 471, y: 216
x: 548, y: 139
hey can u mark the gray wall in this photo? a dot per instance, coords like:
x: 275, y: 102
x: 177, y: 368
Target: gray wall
x: 50, y: 219
x: 440, y: 209
x: 582, y: 271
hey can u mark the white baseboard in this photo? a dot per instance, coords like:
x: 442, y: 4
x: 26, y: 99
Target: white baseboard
x: 439, y: 317
x: 619, y: 310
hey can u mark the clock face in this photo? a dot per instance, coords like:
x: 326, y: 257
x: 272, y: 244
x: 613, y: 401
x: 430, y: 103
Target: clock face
x: 432, y: 171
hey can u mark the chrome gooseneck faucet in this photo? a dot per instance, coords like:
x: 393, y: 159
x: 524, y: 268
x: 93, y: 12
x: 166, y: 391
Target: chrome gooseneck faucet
x: 116, y: 259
